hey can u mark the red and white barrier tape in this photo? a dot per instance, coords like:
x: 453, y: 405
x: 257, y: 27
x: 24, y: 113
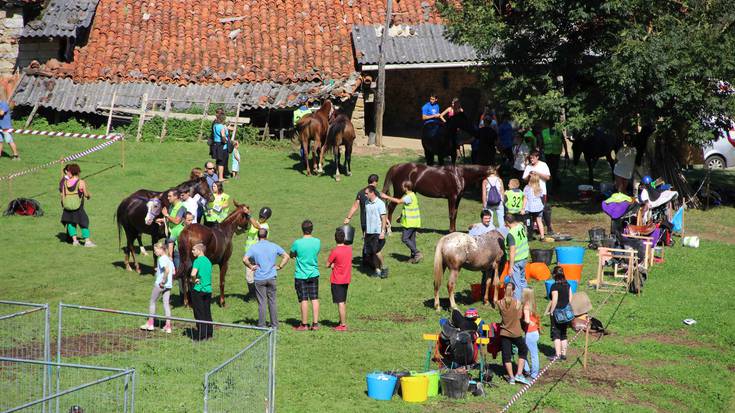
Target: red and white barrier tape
x: 525, y: 388
x: 64, y: 134
x: 64, y: 159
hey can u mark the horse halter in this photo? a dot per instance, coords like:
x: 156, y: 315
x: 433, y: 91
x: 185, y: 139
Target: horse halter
x: 153, y: 208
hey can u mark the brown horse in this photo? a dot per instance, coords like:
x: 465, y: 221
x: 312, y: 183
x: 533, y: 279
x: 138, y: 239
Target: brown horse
x: 341, y: 133
x: 218, y: 242
x: 459, y: 250
x: 447, y: 182
x: 313, y: 127
x: 137, y: 212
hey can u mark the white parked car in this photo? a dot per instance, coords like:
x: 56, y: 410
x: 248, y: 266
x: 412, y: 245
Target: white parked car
x: 721, y: 153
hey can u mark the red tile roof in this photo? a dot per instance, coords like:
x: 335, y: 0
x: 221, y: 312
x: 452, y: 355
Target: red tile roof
x: 226, y: 41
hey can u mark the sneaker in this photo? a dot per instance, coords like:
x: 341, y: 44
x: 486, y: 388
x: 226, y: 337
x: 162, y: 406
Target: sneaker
x: 553, y: 358
x: 166, y: 330
x: 384, y: 273
x: 147, y: 327
x: 315, y: 327
x: 520, y: 379
x: 341, y: 327
x: 511, y: 380
x: 16, y: 157
x: 417, y: 258
x: 301, y: 327
x: 89, y: 244
x: 75, y: 243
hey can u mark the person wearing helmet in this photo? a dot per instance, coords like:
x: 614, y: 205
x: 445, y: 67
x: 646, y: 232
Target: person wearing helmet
x: 252, y: 238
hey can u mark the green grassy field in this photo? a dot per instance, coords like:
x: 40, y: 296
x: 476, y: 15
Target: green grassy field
x: 649, y: 362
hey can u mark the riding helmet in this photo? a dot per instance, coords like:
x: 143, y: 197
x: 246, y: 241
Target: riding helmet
x: 646, y: 180
x: 265, y: 213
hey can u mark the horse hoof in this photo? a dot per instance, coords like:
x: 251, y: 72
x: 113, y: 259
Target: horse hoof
x: 348, y: 173
x: 337, y: 178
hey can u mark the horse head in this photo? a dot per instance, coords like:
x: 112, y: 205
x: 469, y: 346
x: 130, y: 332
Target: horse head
x: 153, y: 209
x: 327, y: 109
x: 241, y: 217
x: 202, y: 188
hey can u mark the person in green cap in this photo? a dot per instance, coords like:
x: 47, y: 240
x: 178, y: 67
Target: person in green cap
x: 306, y: 275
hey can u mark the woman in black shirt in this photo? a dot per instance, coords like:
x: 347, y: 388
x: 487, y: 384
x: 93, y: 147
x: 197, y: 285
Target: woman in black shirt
x: 561, y: 295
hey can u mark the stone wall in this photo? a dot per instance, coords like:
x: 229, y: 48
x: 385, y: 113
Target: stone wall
x: 11, y: 24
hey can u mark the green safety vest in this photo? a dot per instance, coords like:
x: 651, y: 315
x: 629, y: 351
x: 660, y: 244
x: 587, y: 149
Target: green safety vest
x: 212, y: 215
x: 298, y: 114
x: 530, y: 135
x: 411, y: 216
x: 519, y: 236
x: 552, y: 141
x: 175, y: 229
x: 514, y: 203
x: 252, y: 235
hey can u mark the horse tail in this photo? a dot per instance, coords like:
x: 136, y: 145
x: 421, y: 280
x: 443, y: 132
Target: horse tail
x: 388, y: 178
x: 334, y: 130
x: 438, y: 264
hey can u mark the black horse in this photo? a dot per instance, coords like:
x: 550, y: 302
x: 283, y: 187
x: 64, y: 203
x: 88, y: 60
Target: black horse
x: 600, y: 144
x: 136, y: 214
x: 444, y: 142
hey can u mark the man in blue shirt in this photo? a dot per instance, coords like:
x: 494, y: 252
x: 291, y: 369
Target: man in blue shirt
x: 431, y: 118
x: 261, y: 259
x: 5, y: 123
x: 376, y: 224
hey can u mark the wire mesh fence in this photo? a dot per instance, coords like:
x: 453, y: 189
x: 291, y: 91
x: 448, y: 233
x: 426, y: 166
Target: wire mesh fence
x: 92, y: 389
x: 232, y: 371
x: 24, y: 330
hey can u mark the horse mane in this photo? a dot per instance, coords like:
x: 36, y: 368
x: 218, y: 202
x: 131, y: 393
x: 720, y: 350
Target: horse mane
x: 326, y: 108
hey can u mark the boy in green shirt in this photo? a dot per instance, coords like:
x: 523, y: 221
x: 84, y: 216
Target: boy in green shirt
x: 306, y: 277
x: 201, y: 294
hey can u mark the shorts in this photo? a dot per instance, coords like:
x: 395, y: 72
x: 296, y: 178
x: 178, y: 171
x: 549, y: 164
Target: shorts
x: 558, y: 331
x: 307, y: 289
x: 6, y: 137
x: 339, y: 293
x: 534, y: 215
x: 219, y: 153
x: 373, y: 243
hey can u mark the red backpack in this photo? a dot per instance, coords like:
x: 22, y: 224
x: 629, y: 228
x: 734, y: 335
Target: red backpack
x: 24, y: 206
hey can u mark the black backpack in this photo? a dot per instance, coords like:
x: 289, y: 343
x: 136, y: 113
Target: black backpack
x: 24, y: 206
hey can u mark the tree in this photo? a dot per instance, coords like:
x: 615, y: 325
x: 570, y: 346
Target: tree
x: 610, y: 63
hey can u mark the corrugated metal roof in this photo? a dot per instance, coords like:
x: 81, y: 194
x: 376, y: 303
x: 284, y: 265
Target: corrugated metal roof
x: 64, y: 94
x: 423, y: 43
x: 62, y: 18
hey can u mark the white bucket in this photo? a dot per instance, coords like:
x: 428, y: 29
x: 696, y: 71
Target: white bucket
x: 692, y: 242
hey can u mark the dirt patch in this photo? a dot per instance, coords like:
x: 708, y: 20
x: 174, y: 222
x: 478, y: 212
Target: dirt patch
x: 577, y: 228
x: 481, y: 406
x: 677, y: 337
x: 394, y: 317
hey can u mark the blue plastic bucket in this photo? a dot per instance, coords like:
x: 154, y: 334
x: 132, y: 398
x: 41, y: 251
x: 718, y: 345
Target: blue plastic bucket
x: 380, y: 386
x: 548, y: 283
x: 569, y: 255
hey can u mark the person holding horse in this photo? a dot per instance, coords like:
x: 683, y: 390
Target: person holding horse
x: 74, y: 192
x: 376, y: 223
x: 431, y: 117
x: 361, y: 200
x: 261, y: 259
x: 516, y: 249
x: 173, y: 217
x: 493, y: 193
x: 201, y: 294
x: 554, y: 141
x: 410, y: 219
x: 219, y: 207
x: 306, y: 275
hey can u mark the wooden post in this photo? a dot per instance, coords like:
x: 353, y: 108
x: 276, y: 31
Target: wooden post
x: 109, y: 117
x: 165, y: 119
x: 122, y: 152
x: 204, y: 117
x: 141, y: 119
x: 586, y: 342
x: 380, y: 97
x: 33, y: 113
x: 237, y: 120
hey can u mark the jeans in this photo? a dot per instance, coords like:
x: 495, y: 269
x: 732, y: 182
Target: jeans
x: 409, y: 238
x: 518, y: 278
x: 532, y: 363
x: 265, y: 292
x: 499, y: 213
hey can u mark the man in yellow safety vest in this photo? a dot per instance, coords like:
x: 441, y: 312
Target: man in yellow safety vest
x: 516, y: 249
x: 410, y: 219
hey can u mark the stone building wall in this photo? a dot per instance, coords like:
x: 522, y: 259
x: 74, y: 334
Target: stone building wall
x: 11, y: 24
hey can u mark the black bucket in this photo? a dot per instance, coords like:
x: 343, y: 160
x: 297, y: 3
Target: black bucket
x: 542, y: 256
x: 349, y: 231
x: 455, y: 385
x: 597, y: 234
x: 608, y: 242
x: 398, y: 375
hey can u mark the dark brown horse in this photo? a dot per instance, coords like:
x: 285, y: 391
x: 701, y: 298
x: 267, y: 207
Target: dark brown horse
x: 313, y: 127
x: 136, y: 214
x: 340, y: 133
x: 217, y: 240
x: 447, y: 182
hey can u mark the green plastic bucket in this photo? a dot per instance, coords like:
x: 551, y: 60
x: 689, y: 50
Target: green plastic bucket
x: 433, y: 377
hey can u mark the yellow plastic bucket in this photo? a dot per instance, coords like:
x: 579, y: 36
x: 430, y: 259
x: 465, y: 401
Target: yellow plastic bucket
x: 415, y: 389
x: 433, y: 389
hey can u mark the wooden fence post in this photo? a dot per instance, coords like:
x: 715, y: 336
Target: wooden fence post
x: 109, y: 117
x: 33, y: 113
x: 165, y: 119
x: 204, y: 117
x: 141, y: 118
x: 237, y: 120
x: 586, y: 343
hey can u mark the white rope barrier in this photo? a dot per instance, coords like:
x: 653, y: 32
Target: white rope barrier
x: 63, y: 134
